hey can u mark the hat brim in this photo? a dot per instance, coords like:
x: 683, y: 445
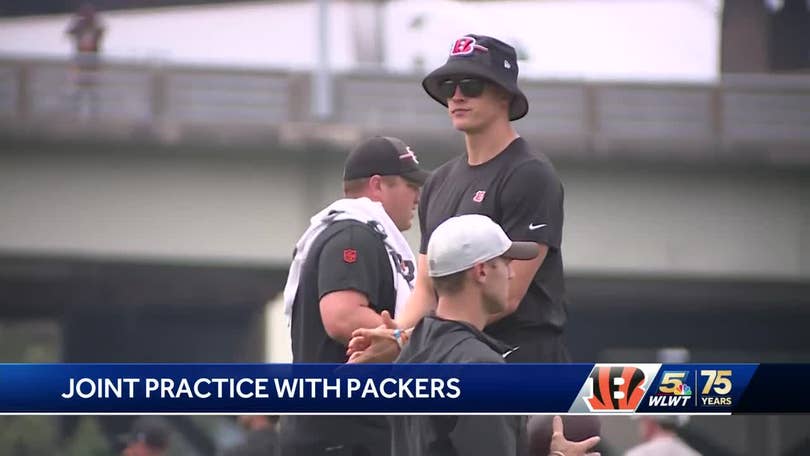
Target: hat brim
x: 461, y: 67
x: 522, y: 251
x: 418, y: 176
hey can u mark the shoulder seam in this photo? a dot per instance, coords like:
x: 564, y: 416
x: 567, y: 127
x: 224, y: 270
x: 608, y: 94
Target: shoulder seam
x: 350, y: 225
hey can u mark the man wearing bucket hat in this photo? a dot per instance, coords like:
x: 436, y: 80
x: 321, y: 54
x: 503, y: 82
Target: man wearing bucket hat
x: 475, y: 62
x: 469, y: 259
x: 500, y: 176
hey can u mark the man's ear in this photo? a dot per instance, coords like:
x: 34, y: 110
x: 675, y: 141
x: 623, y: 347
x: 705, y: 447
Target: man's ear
x: 375, y: 183
x: 479, y: 272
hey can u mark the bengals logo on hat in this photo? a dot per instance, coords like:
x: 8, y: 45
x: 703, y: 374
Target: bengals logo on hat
x: 466, y: 46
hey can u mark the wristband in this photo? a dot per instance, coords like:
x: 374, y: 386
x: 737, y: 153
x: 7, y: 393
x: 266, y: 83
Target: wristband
x: 400, y: 337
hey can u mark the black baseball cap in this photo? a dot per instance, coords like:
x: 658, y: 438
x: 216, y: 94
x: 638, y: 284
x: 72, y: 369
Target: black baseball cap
x: 484, y: 57
x: 384, y: 156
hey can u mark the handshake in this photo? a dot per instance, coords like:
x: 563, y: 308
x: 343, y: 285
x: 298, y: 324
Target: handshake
x: 377, y: 345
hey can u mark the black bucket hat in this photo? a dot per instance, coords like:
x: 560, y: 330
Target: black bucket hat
x: 484, y: 57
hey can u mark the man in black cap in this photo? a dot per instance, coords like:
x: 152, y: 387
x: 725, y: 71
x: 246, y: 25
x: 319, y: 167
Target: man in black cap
x: 350, y: 265
x: 501, y: 177
x: 148, y: 437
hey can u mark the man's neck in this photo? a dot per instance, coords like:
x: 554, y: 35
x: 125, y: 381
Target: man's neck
x: 462, y: 306
x: 484, y: 145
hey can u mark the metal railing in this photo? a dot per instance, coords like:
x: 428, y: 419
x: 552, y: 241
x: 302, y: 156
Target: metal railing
x: 769, y: 114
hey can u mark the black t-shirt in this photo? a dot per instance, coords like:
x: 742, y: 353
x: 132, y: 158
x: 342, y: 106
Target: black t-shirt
x: 521, y: 192
x: 347, y: 255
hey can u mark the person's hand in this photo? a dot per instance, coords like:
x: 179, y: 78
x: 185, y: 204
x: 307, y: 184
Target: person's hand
x: 360, y: 341
x: 374, y: 345
x: 562, y: 447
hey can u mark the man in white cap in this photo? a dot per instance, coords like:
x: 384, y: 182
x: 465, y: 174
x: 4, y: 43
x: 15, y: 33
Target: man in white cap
x: 469, y: 260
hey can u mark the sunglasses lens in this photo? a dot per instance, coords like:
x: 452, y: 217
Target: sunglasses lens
x: 472, y: 87
x: 447, y: 88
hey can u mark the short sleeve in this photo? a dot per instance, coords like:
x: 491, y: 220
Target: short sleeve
x: 350, y: 261
x: 532, y: 204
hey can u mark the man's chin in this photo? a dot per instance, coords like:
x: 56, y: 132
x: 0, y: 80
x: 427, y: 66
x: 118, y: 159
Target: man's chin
x: 464, y: 126
x: 460, y: 126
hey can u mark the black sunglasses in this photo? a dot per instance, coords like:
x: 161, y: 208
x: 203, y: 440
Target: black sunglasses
x: 470, y: 87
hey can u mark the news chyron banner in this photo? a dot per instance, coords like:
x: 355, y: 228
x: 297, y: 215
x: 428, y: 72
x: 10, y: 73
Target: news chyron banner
x: 689, y: 389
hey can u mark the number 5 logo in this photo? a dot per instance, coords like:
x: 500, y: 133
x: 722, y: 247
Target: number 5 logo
x: 672, y: 382
x: 717, y: 380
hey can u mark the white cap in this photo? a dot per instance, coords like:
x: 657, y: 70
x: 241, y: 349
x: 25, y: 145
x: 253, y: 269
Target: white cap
x: 461, y: 242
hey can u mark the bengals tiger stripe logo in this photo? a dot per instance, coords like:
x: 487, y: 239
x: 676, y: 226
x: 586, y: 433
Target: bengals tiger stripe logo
x: 615, y: 388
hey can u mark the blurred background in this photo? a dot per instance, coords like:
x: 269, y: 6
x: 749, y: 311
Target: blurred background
x: 159, y: 159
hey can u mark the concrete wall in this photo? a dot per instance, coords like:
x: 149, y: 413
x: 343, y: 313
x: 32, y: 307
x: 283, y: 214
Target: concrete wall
x: 619, y: 219
x: 688, y: 221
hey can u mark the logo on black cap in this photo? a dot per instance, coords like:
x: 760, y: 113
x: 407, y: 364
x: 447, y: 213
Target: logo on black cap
x: 409, y: 155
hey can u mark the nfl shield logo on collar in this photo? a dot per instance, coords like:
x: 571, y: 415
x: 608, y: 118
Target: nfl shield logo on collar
x: 479, y: 196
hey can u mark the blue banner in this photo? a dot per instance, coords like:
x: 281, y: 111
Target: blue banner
x: 697, y: 388
x: 399, y: 388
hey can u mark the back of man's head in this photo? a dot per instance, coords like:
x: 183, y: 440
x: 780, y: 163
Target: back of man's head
x: 450, y: 284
